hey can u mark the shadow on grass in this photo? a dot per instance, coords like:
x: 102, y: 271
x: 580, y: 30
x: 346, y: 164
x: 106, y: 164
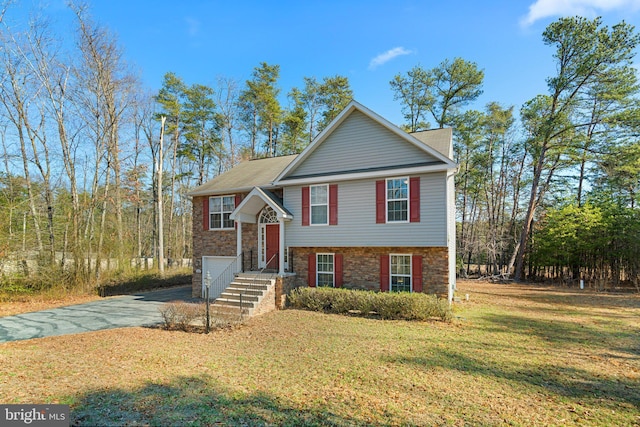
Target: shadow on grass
x: 575, y: 297
x: 606, y: 337
x: 196, y: 401
x: 566, y: 381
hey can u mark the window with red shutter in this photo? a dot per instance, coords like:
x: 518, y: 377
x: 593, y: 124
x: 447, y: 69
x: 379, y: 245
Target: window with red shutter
x: 400, y: 274
x: 218, y: 210
x: 397, y: 199
x: 325, y: 269
x: 319, y: 204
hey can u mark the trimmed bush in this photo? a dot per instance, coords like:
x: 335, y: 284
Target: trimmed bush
x: 191, y: 317
x: 387, y: 305
x: 181, y: 315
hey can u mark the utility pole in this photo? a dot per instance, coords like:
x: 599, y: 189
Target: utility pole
x: 160, y: 214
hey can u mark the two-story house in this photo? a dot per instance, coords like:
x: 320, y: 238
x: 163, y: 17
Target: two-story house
x: 366, y: 205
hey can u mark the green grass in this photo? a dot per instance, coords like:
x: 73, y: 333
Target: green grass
x: 519, y: 356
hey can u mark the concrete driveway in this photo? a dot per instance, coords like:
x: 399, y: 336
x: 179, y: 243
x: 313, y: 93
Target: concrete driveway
x: 114, y: 312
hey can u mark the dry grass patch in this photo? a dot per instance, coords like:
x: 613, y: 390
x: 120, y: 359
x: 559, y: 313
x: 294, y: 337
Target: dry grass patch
x: 518, y: 356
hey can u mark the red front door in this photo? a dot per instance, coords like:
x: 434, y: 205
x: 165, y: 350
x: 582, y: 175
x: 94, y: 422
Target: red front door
x: 273, y: 244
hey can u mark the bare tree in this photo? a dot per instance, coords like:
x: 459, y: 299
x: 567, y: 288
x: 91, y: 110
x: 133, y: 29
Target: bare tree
x: 109, y: 86
x: 18, y: 96
x: 227, y: 101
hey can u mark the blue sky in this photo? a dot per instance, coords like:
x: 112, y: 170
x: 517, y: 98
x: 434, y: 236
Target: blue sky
x: 367, y: 41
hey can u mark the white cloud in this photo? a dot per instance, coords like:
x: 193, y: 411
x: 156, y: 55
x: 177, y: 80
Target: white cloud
x: 546, y: 8
x: 193, y: 26
x: 387, y: 56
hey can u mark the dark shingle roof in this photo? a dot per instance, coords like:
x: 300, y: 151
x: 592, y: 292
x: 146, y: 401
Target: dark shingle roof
x: 245, y: 176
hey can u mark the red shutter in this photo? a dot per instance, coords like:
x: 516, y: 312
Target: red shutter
x: 333, y: 204
x: 384, y: 273
x: 312, y: 270
x: 416, y: 273
x: 381, y: 208
x: 338, y: 270
x: 414, y: 199
x: 205, y: 213
x: 305, y: 206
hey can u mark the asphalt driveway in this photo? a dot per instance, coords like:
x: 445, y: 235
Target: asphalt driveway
x: 140, y: 309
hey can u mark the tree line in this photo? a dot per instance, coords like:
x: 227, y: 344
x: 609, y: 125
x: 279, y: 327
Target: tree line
x: 552, y: 195
x: 83, y: 142
x: 549, y: 193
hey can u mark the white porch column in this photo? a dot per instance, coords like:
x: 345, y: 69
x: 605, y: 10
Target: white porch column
x: 281, y: 248
x: 238, y: 237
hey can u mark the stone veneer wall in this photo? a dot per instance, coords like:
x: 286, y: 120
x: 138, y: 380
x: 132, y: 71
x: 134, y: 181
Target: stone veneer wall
x: 361, y: 266
x: 268, y: 302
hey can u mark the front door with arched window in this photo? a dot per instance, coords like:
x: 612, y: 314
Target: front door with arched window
x: 268, y: 239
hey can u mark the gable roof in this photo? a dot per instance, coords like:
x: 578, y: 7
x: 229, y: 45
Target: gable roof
x: 275, y: 171
x: 422, y: 142
x: 245, y: 176
x: 250, y: 207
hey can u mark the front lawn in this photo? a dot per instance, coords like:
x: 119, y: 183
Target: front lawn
x: 516, y: 355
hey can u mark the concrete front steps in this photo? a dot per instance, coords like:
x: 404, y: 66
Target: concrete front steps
x: 258, y: 296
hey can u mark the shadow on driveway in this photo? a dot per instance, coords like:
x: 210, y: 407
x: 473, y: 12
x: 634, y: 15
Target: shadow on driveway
x: 181, y: 293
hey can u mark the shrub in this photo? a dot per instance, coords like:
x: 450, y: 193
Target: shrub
x: 181, y: 315
x: 401, y: 305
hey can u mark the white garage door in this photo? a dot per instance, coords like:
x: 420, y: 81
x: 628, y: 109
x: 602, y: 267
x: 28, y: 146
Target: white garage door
x: 215, y: 265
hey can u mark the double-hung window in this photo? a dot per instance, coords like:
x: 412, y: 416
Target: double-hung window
x: 400, y: 273
x: 325, y: 270
x: 219, y: 210
x: 397, y: 199
x: 319, y: 195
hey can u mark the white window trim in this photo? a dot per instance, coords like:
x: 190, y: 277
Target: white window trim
x: 221, y: 212
x: 311, y: 205
x: 410, y: 275
x: 333, y: 273
x: 387, y: 200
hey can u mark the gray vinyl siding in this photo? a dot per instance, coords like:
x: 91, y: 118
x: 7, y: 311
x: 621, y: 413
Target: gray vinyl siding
x: 357, y: 217
x: 360, y: 143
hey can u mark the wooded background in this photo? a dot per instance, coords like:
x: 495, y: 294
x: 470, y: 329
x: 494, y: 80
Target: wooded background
x: 546, y: 190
